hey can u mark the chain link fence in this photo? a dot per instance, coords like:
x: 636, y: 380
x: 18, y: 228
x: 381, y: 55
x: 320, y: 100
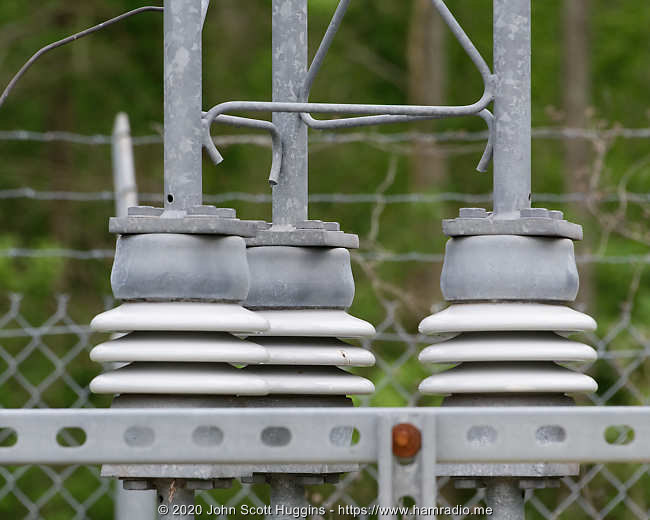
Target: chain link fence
x: 45, y: 339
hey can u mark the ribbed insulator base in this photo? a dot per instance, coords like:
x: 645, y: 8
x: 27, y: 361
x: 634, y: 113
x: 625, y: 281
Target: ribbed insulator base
x: 305, y: 353
x: 179, y: 348
x: 506, y: 348
x: 186, y: 348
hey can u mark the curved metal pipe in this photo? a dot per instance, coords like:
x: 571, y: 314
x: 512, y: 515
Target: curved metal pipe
x: 258, y: 124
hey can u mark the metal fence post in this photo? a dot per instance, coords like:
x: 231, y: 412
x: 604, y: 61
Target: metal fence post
x: 128, y: 504
x: 124, y: 183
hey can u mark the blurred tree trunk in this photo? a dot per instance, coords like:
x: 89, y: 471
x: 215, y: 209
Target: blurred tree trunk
x: 577, y: 86
x: 426, y: 86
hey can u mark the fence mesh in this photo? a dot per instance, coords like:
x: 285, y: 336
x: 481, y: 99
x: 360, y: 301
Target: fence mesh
x: 45, y: 339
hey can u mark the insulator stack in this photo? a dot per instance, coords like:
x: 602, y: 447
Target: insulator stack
x: 179, y: 313
x: 303, y: 293
x: 505, y: 348
x: 506, y: 281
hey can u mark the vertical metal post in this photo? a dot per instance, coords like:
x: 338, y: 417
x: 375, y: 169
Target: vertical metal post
x: 287, y: 497
x: 139, y: 504
x: 512, y: 167
x: 290, y: 195
x: 128, y: 504
x: 289, y: 22
x: 126, y: 191
x: 505, y: 498
x: 183, y: 104
x: 174, y: 503
x: 512, y: 107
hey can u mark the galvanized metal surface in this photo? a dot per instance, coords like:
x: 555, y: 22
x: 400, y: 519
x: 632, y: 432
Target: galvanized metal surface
x: 495, y: 317
x: 514, y: 225
x: 181, y: 222
x: 509, y: 267
x: 512, y: 107
x: 179, y: 316
x: 462, y: 435
x: 289, y: 56
x: 288, y: 236
x: 506, y: 499
x: 183, y: 104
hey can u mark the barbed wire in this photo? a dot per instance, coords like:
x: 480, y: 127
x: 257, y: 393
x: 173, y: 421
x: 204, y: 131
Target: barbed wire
x: 371, y: 256
x: 552, y: 133
x: 339, y: 198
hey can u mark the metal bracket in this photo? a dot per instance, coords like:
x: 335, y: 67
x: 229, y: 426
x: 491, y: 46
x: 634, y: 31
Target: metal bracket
x: 241, y: 436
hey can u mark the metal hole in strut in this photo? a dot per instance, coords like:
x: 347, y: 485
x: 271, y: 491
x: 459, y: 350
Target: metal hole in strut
x: 619, y: 434
x: 481, y: 435
x: 71, y: 437
x: 139, y: 436
x: 344, y: 436
x: 8, y: 437
x: 170, y: 198
x: 550, y: 434
x: 276, y: 436
x: 207, y: 436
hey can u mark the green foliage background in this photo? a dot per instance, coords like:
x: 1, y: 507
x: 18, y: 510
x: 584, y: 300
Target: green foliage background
x: 81, y: 87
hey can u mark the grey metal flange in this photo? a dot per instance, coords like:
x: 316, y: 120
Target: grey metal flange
x: 528, y: 222
x: 204, y: 220
x: 308, y: 233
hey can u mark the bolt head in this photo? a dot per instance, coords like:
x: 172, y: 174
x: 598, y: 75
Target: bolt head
x: 472, y: 213
x: 212, y: 211
x: 407, y: 440
x: 310, y: 224
x: 534, y: 213
x: 144, y: 211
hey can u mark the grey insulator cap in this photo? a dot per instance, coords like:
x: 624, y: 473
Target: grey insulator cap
x: 299, y: 277
x: 509, y: 267
x: 167, y: 266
